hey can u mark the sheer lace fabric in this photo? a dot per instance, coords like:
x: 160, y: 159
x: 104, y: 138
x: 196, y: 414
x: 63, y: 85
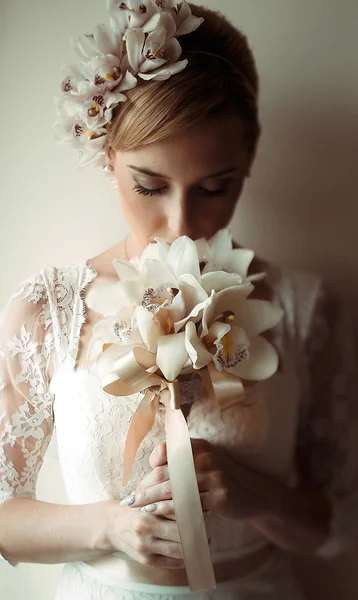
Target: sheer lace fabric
x: 303, y: 421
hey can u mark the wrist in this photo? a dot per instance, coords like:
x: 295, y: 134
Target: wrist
x: 107, y: 514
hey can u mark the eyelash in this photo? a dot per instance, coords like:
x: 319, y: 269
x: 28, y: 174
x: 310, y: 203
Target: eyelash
x: 146, y: 192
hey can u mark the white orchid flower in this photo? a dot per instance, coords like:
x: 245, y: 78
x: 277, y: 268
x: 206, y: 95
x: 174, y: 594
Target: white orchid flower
x: 78, y: 132
x: 152, y: 51
x: 183, y: 17
x: 101, y: 42
x: 230, y: 332
x: 73, y: 82
x: 217, y: 254
x: 98, y: 107
x: 169, y: 287
x: 119, y: 324
x: 135, y: 12
x: 104, y: 71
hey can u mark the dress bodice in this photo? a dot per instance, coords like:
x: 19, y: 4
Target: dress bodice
x: 299, y: 424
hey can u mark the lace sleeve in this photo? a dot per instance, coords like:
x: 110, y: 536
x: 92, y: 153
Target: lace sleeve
x: 26, y: 364
x: 328, y: 432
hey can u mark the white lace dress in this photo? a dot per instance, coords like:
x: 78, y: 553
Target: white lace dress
x: 300, y: 427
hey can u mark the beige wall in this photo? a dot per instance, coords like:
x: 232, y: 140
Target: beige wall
x: 299, y: 208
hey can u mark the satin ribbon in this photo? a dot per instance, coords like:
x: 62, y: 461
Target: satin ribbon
x: 137, y: 372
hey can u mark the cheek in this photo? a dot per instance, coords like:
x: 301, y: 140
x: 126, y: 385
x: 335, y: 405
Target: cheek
x: 142, y: 213
x: 213, y: 214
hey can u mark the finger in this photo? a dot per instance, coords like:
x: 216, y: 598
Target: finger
x: 165, y: 508
x: 162, y: 491
x: 199, y: 444
x: 170, y: 549
x: 158, y: 475
x: 159, y: 455
x: 166, y: 529
x: 205, y: 460
x: 214, y: 500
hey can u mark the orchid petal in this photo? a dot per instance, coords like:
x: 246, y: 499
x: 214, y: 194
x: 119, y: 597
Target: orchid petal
x: 195, y: 313
x: 221, y: 244
x: 219, y: 280
x: 256, y: 277
x: 171, y: 354
x: 216, y: 332
x: 239, y: 261
x: 164, y: 20
x: 256, y: 316
x: 172, y: 50
x: 189, y: 25
x: 202, y: 247
x: 183, y: 257
x: 148, y: 327
x: 104, y: 331
x: 155, y: 273
x: 125, y: 269
x: 195, y: 347
x: 178, y: 308
x: 262, y: 363
x: 227, y: 299
x: 105, y: 299
x: 128, y: 82
x: 155, y: 40
x: 158, y: 251
x: 151, y: 65
x: 193, y: 292
x: 166, y: 72
x: 94, y: 349
x: 132, y: 291
x: 105, y: 41
x: 135, y: 39
x: 233, y: 348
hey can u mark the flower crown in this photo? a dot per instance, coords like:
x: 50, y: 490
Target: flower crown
x: 140, y: 42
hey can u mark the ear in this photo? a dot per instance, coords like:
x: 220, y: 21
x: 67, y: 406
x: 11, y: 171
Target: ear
x: 109, y: 153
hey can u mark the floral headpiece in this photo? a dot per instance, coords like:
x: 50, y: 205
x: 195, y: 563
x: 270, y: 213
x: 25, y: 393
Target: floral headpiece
x: 140, y: 42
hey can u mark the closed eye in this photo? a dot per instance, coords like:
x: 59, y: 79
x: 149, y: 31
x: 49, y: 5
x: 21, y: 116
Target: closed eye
x: 157, y: 192
x: 147, y: 192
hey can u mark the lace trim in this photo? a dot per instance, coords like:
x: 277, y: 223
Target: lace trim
x: 80, y: 315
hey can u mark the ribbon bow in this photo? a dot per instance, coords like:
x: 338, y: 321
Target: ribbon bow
x: 135, y: 372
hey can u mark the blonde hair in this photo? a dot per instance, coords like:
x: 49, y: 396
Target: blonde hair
x: 207, y: 87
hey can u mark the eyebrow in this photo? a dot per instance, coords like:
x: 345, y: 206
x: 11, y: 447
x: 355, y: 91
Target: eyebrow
x: 153, y: 174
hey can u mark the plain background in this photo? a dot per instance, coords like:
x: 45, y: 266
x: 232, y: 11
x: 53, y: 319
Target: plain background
x: 299, y: 208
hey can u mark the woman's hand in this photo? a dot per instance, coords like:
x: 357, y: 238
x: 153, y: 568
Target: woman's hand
x: 148, y: 539
x: 225, y: 487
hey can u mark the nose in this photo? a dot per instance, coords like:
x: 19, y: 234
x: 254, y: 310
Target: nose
x: 178, y: 217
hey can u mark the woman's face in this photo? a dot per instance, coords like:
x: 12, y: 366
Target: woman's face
x: 188, y: 185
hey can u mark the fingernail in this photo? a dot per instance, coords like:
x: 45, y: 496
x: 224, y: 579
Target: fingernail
x: 149, y: 508
x: 128, y: 501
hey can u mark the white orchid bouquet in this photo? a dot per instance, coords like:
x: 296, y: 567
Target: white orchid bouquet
x: 178, y: 309
x: 188, y: 304
x: 140, y: 43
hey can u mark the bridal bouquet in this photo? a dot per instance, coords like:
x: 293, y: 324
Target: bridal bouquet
x: 178, y: 309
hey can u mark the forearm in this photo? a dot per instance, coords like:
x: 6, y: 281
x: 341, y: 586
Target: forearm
x: 297, y: 521
x: 39, y: 532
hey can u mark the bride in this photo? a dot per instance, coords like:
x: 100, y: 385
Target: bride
x: 165, y: 100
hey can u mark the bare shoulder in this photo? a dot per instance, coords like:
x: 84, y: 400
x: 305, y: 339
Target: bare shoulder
x: 103, y: 262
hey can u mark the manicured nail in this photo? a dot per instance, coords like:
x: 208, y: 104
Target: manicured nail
x: 128, y: 501
x: 149, y: 508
